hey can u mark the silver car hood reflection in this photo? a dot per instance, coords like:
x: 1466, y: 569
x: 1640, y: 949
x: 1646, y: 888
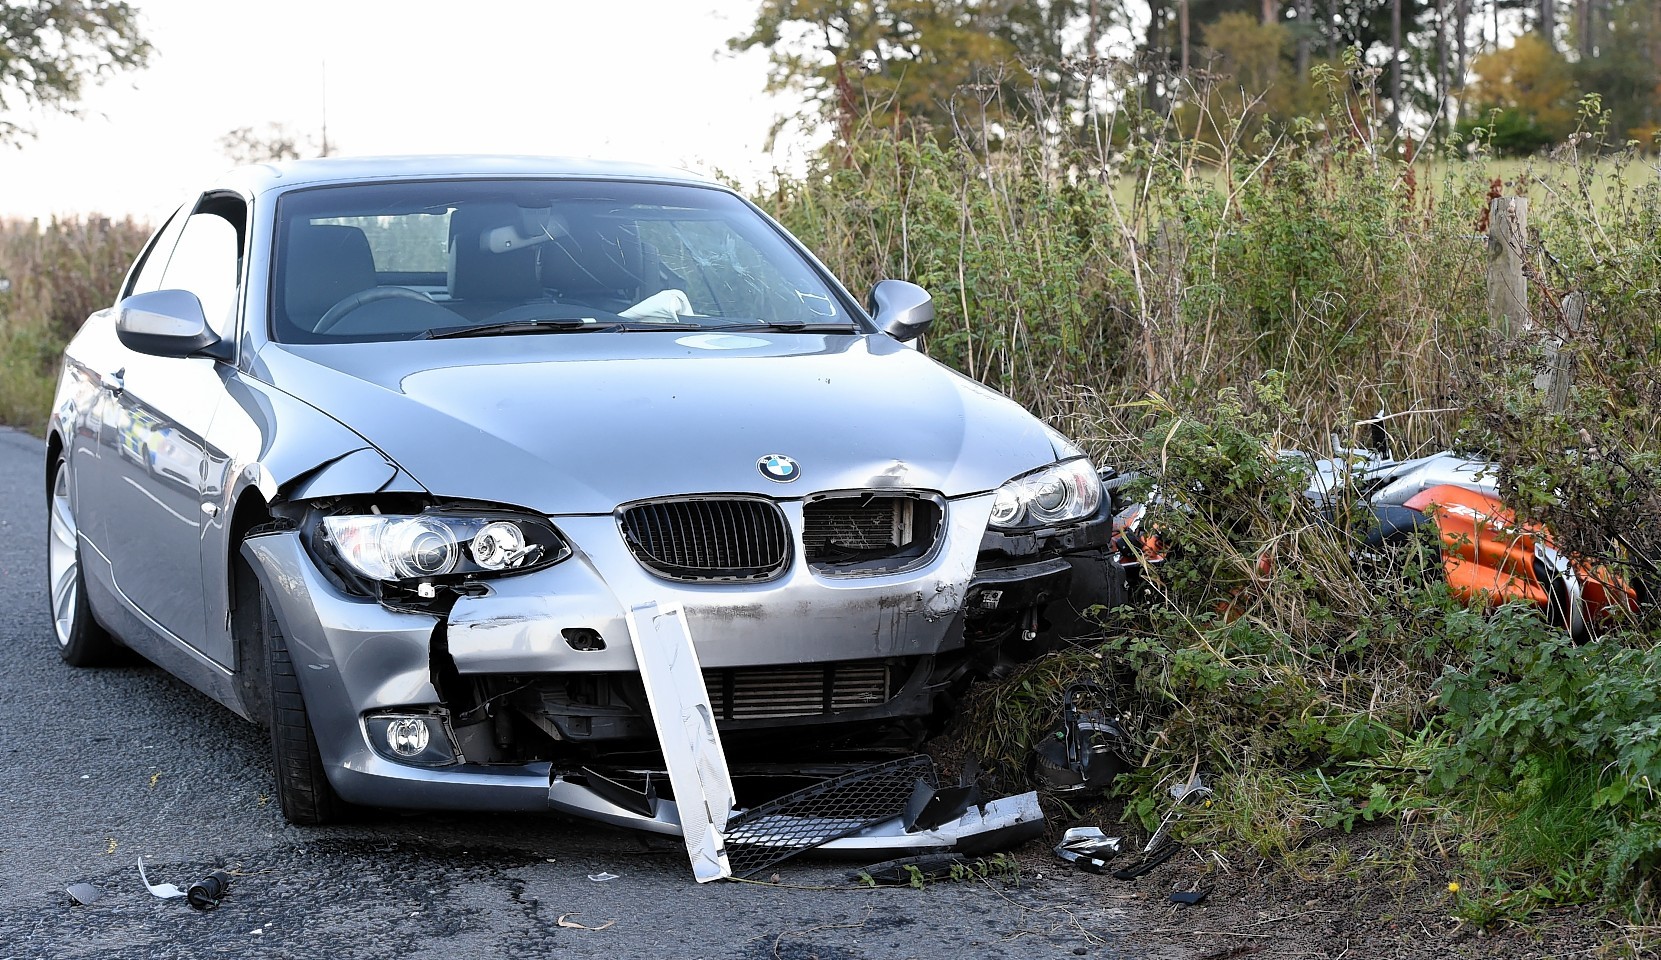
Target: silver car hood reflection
x: 580, y: 423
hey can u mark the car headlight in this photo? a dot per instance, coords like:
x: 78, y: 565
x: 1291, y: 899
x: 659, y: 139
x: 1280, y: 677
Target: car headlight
x: 422, y: 546
x: 1059, y: 493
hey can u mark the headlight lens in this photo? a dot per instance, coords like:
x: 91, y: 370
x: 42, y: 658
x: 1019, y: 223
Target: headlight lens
x: 1059, y: 493
x: 406, y: 547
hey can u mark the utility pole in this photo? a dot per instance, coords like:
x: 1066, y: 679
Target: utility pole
x: 1306, y: 26
x: 1395, y: 64
x: 1442, y: 98
x: 324, y: 74
x: 1182, y: 33
x: 1461, y: 16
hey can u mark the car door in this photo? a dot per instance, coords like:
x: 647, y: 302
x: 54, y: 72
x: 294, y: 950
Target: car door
x: 105, y: 361
x: 154, y: 449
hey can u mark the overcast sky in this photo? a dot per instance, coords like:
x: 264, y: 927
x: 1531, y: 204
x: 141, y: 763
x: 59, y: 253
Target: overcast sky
x: 645, y: 80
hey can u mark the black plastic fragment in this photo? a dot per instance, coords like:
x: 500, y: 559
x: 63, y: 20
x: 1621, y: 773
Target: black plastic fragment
x: 1150, y: 861
x: 1190, y: 897
x: 206, y: 893
x: 643, y: 802
x: 909, y: 870
x: 929, y: 807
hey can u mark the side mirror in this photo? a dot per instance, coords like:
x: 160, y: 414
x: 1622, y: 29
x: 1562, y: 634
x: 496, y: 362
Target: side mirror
x: 165, y: 323
x: 902, y: 310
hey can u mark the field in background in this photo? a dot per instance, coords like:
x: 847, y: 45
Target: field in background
x: 55, y: 274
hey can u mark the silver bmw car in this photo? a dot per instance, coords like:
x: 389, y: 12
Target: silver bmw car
x: 480, y: 480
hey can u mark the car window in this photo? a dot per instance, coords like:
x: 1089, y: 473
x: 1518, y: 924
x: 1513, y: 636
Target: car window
x: 726, y: 275
x: 393, y: 261
x: 205, y: 262
x: 155, y: 256
x: 410, y: 243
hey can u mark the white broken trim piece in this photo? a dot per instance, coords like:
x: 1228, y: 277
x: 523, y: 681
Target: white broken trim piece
x: 685, y: 725
x: 161, y: 891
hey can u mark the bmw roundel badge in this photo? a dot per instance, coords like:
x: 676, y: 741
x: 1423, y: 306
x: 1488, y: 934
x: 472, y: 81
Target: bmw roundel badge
x: 778, y: 468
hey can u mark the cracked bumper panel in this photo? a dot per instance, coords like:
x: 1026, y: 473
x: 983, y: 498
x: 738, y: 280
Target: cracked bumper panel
x: 520, y: 624
x: 353, y: 656
x: 998, y: 824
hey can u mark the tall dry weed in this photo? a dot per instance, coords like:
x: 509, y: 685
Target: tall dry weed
x: 58, y: 273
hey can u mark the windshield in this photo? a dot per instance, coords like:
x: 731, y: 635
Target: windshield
x: 426, y: 259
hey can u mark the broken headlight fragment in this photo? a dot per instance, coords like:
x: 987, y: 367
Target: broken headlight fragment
x: 410, y: 547
x: 1059, y: 493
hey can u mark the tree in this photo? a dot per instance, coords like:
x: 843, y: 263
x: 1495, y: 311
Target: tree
x: 274, y: 141
x: 1626, y: 69
x: 882, y: 62
x: 49, y: 49
x: 1525, y: 95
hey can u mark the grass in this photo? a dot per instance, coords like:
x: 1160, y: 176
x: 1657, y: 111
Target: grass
x: 59, y: 273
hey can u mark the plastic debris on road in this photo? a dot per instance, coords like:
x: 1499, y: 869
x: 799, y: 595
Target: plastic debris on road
x: 570, y: 924
x: 161, y: 891
x: 84, y: 893
x: 1088, y: 848
x: 206, y: 893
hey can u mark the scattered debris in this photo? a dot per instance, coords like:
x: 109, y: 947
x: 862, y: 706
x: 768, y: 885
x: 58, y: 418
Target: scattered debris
x: 1088, y: 848
x: 206, y: 893
x: 1190, y: 897
x: 928, y: 868
x: 569, y: 924
x: 840, y: 806
x: 686, y: 733
x: 602, y: 877
x: 161, y: 891
x: 84, y: 893
x: 1147, y: 863
x: 931, y: 806
x: 1183, y: 794
x: 909, y: 871
x: 1085, y: 753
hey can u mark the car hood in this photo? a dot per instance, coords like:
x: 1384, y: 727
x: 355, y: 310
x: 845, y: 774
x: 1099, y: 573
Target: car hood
x: 580, y: 423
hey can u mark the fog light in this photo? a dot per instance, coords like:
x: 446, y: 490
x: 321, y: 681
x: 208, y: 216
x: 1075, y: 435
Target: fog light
x: 411, y: 738
x: 407, y: 736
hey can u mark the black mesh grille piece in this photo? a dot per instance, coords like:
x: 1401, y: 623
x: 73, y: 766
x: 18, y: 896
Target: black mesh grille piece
x: 708, y: 539
x: 840, y: 807
x: 754, y: 693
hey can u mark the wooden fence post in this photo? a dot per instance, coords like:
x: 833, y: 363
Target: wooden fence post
x: 1170, y: 248
x: 1557, y: 375
x: 1507, y: 291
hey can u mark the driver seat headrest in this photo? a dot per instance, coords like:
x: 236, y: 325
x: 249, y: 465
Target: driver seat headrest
x: 325, y: 263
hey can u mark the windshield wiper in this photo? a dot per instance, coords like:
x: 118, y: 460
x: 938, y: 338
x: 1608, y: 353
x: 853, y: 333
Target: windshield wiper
x: 548, y: 325
x: 789, y: 326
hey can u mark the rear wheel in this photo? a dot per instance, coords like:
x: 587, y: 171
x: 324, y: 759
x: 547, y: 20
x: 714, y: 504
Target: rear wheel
x: 81, y: 641
x: 303, y: 786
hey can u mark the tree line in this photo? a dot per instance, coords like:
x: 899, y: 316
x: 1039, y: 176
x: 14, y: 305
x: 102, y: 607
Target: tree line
x: 1513, y: 71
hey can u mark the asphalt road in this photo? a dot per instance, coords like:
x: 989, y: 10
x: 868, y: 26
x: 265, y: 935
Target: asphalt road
x: 105, y: 766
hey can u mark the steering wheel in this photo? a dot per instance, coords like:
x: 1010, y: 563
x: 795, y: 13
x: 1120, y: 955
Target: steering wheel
x: 331, y: 318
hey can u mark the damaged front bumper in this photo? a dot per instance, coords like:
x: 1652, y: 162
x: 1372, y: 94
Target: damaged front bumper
x: 550, y: 632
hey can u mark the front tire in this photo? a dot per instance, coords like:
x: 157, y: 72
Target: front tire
x: 81, y: 641
x: 303, y: 787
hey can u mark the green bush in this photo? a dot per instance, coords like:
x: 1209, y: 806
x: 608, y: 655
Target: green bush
x: 1192, y: 310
